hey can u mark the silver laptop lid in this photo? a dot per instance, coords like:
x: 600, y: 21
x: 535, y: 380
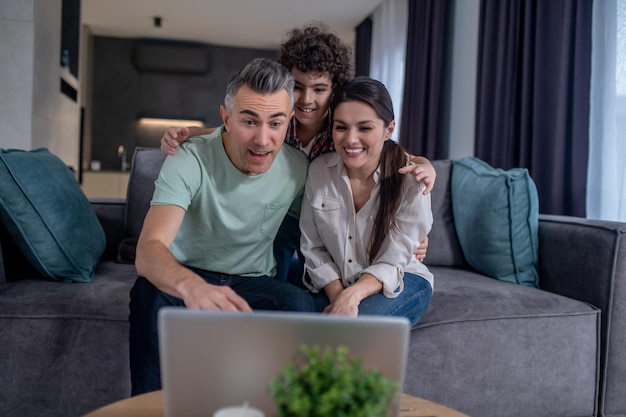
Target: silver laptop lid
x: 211, y: 360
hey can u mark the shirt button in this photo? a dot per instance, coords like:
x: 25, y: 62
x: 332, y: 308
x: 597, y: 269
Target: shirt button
x: 350, y: 237
x: 323, y: 205
x: 349, y: 261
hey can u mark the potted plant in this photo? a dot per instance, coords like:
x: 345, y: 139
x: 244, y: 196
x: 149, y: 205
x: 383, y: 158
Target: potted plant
x: 325, y: 382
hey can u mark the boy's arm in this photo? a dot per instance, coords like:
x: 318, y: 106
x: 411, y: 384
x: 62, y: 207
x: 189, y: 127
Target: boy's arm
x: 174, y: 136
x: 423, y: 170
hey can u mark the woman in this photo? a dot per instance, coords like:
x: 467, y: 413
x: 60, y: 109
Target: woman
x: 362, y: 219
x: 320, y: 62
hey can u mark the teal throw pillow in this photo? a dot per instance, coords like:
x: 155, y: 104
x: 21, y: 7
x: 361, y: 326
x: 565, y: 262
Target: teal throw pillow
x: 496, y: 216
x: 46, y: 213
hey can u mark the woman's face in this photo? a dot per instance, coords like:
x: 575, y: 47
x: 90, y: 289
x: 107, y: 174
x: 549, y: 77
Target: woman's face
x: 358, y: 135
x: 312, y: 94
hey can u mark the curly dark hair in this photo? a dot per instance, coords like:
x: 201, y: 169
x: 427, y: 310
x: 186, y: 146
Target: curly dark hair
x: 315, y: 48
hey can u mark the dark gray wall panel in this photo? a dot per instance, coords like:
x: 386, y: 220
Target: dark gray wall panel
x: 121, y: 93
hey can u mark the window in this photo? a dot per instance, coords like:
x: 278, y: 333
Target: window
x: 606, y: 186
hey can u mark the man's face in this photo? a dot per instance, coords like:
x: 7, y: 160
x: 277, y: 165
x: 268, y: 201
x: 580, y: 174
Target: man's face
x: 256, y: 127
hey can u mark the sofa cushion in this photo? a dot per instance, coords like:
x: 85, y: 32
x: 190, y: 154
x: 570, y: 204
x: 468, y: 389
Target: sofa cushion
x: 493, y: 346
x: 496, y: 215
x: 47, y: 215
x: 443, y: 243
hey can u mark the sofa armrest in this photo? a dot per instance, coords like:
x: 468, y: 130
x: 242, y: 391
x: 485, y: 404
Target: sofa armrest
x: 111, y: 212
x: 581, y: 258
x: 586, y: 260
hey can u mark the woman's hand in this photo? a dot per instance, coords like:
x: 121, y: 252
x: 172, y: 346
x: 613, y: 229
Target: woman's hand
x: 345, y: 301
x: 344, y: 304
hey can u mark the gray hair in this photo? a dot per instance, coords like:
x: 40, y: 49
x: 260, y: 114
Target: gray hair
x: 262, y: 76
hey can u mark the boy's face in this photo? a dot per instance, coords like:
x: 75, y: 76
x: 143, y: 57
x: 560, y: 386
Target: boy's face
x: 312, y: 95
x: 256, y: 127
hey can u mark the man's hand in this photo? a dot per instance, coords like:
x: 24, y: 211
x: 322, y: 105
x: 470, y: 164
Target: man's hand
x: 420, y: 252
x: 423, y: 172
x: 172, y: 138
x: 205, y: 296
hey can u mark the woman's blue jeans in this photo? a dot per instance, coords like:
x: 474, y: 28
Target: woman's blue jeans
x: 412, y: 302
x: 261, y: 293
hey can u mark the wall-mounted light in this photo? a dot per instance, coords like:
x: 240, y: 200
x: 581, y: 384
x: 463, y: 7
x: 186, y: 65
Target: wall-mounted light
x: 167, y: 122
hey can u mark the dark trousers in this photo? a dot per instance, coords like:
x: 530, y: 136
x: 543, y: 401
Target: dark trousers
x: 289, y: 259
x: 261, y: 293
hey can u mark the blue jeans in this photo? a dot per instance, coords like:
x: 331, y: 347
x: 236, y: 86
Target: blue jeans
x: 289, y: 259
x: 261, y: 293
x: 412, y: 302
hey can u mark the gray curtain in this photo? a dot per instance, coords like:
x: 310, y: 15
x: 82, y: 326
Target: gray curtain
x: 363, y: 48
x: 532, y: 101
x: 422, y: 110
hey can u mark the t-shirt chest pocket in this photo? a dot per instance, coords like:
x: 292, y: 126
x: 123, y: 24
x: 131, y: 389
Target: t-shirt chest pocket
x: 326, y: 212
x: 273, y: 216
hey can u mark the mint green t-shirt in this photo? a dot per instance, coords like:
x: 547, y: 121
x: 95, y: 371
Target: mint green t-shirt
x: 231, y: 218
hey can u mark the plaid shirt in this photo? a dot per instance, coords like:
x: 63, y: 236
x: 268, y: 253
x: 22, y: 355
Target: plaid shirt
x: 322, y: 142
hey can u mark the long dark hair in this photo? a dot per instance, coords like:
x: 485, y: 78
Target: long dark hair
x: 393, y: 156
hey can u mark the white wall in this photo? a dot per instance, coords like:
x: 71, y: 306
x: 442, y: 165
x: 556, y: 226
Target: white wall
x: 33, y: 112
x: 16, y: 73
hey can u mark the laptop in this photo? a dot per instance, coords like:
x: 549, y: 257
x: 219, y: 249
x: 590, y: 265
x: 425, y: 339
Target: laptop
x: 213, y: 359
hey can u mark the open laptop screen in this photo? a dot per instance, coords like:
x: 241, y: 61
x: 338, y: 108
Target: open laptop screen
x: 211, y: 359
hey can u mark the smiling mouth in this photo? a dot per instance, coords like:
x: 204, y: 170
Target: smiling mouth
x: 354, y: 151
x: 306, y: 110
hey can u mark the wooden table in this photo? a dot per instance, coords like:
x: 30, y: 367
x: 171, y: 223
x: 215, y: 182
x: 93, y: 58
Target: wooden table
x: 151, y: 405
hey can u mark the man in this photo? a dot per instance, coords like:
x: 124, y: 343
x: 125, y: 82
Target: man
x: 206, y: 241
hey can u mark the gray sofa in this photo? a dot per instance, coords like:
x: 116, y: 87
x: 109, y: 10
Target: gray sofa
x: 485, y: 347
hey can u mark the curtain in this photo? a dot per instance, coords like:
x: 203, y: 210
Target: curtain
x: 532, y: 104
x: 606, y: 185
x: 363, y: 48
x: 421, y: 129
x: 389, y: 22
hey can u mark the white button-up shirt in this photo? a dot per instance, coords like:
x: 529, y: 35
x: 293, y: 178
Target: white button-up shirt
x: 335, y: 238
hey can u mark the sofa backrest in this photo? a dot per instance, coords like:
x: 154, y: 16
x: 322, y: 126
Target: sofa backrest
x: 13, y: 263
x: 443, y: 247
x: 443, y: 244
x: 145, y: 169
x: 3, y: 277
